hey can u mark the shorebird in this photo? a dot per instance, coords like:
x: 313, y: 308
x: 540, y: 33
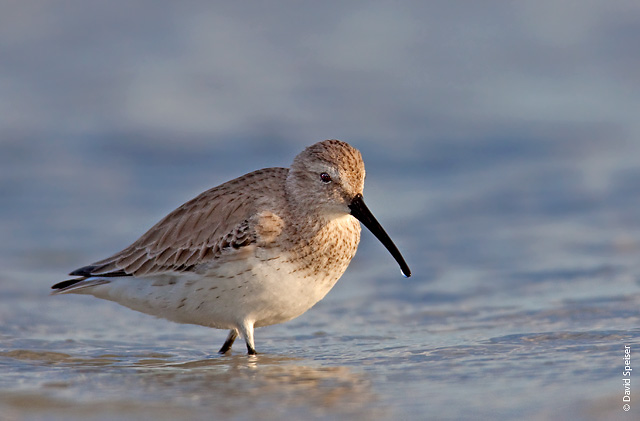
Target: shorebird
x: 255, y: 251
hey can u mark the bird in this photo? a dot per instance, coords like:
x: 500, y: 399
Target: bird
x: 255, y: 251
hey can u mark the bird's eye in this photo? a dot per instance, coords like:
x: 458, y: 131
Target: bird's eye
x: 326, y: 178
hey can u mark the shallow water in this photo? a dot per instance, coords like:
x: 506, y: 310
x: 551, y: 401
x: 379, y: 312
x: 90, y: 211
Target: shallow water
x: 510, y: 312
x: 512, y: 190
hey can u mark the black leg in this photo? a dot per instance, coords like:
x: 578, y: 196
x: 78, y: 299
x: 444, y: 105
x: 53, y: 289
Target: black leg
x: 227, y: 344
x: 247, y: 333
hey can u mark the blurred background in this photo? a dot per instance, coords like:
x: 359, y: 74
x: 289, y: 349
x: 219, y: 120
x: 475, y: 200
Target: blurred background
x: 501, y: 141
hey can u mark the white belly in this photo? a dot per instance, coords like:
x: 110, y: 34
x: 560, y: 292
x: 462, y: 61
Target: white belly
x: 257, y: 285
x: 264, y: 292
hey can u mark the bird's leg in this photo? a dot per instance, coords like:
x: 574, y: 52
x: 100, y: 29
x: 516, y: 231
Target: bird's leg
x: 247, y: 333
x: 233, y: 334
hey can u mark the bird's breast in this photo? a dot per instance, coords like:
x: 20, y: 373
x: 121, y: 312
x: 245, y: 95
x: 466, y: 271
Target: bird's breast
x: 326, y: 252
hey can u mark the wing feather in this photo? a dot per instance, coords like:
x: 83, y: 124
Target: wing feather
x: 218, y: 221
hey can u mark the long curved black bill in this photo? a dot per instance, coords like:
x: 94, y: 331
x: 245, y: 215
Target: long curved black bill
x: 361, y: 212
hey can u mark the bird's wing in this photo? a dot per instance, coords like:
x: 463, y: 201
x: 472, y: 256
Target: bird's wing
x: 218, y: 221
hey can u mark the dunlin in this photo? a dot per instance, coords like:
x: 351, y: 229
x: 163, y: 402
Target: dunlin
x: 255, y: 251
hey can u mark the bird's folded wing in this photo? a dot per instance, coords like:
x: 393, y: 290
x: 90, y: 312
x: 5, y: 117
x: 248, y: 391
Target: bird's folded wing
x: 218, y: 221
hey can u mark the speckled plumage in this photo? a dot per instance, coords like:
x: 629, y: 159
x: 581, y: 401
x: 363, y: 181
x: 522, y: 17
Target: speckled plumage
x: 258, y: 250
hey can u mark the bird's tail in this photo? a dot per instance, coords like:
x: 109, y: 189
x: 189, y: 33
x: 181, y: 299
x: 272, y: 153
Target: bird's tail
x: 75, y: 285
